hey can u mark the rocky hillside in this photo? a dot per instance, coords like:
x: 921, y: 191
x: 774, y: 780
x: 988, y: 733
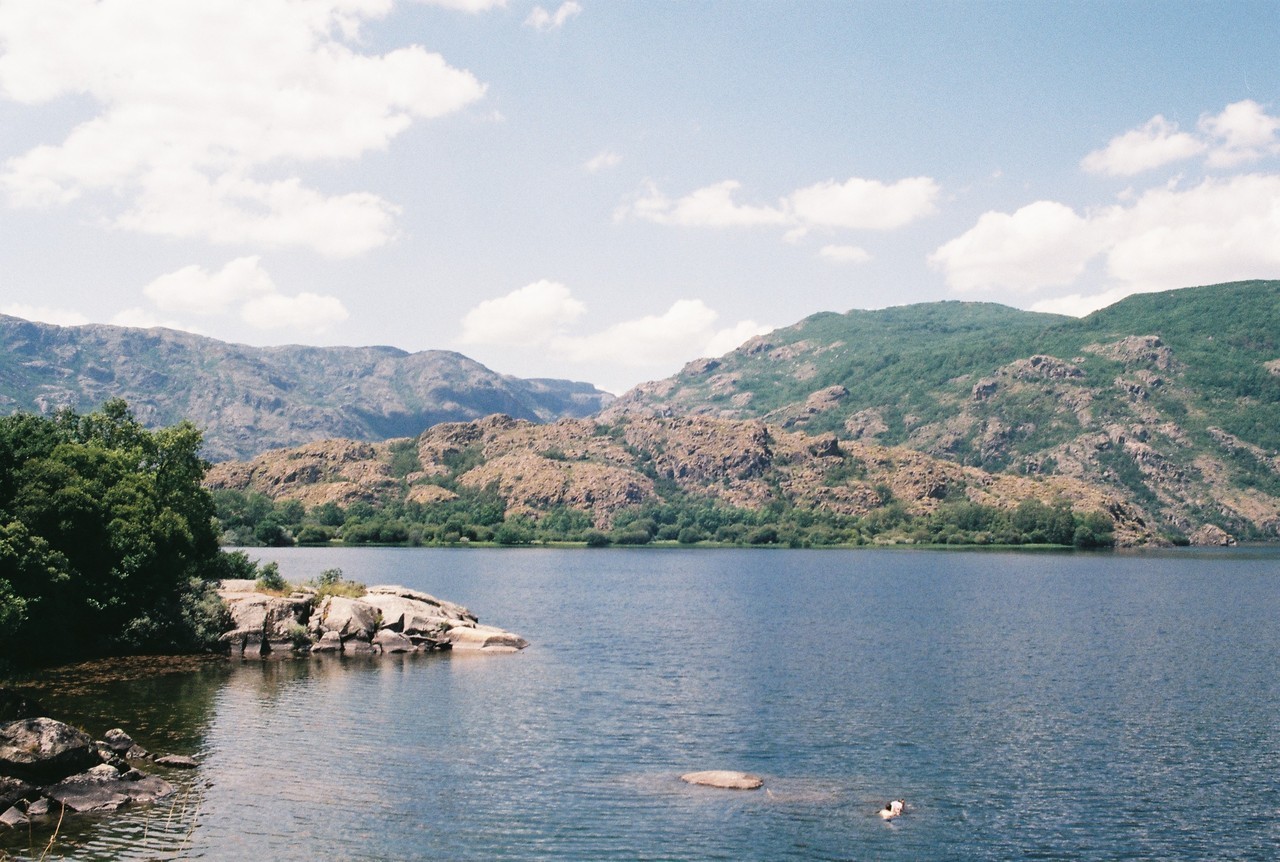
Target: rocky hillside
x: 642, y: 463
x: 1171, y: 400
x: 250, y: 399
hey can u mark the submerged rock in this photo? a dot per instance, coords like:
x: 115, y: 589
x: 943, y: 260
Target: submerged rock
x: 724, y: 779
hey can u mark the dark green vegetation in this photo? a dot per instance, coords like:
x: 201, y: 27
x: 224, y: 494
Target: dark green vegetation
x: 107, y: 543
x: 249, y: 399
x: 1172, y: 398
x: 250, y: 518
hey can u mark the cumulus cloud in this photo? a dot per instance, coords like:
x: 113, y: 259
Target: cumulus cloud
x: 542, y: 314
x: 1155, y: 144
x: 860, y: 204
x: 844, y: 254
x: 687, y: 329
x: 466, y: 5
x: 531, y: 315
x: 855, y: 204
x: 44, y: 314
x: 305, y: 311
x: 195, y: 290
x: 601, y: 162
x: 712, y: 206
x: 1044, y: 243
x: 241, y: 283
x: 541, y: 19
x: 1245, y: 132
x: 204, y: 97
x: 1222, y: 229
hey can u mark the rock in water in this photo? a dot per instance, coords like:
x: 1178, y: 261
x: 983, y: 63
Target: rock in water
x: 42, y: 750
x: 724, y: 779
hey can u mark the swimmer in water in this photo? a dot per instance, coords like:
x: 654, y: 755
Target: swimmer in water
x: 893, y: 809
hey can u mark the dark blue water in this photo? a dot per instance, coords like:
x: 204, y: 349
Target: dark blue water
x: 1027, y: 706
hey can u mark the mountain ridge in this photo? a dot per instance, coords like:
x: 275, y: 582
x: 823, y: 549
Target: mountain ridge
x: 250, y: 399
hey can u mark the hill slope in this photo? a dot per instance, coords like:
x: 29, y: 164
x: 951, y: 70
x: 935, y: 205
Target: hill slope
x: 250, y: 399
x: 1172, y: 399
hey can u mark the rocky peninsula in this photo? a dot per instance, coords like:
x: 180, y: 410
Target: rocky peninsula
x: 383, y: 619
x: 49, y: 768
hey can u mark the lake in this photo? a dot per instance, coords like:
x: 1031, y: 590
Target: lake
x: 1025, y: 705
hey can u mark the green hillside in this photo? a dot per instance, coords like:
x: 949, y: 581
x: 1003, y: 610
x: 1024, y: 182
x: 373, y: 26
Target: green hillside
x: 1173, y: 397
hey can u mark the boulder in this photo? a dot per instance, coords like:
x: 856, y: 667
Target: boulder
x: 389, y: 641
x: 42, y: 750
x: 484, y: 638
x: 329, y: 642
x: 13, y: 817
x: 724, y: 779
x: 118, y: 741
x: 12, y: 790
x: 1213, y: 536
x: 435, y: 607
x: 177, y: 761
x: 107, y: 794
x: 350, y: 618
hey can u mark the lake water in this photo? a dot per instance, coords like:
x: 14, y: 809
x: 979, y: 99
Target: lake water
x: 1026, y: 706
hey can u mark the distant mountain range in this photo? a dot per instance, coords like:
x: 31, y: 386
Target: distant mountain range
x: 1166, y: 404
x: 251, y: 399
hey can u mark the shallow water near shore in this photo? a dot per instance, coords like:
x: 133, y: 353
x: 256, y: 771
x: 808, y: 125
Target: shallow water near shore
x: 1026, y: 705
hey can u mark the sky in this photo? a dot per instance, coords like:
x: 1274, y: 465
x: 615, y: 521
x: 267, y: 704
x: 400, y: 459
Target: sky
x: 603, y: 190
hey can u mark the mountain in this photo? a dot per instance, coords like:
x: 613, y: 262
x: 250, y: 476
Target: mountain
x: 1171, y: 400
x: 644, y: 478
x: 251, y: 399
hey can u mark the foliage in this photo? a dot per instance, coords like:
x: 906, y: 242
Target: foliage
x: 331, y: 582
x: 270, y: 580
x: 106, y: 536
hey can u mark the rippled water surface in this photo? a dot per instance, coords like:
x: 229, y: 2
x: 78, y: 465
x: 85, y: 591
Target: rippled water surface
x: 1027, y: 706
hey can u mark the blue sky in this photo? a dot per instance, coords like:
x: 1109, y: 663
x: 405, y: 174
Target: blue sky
x: 604, y: 190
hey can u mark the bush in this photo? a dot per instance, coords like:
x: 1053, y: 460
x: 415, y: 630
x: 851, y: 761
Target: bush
x: 597, y: 539
x: 270, y: 580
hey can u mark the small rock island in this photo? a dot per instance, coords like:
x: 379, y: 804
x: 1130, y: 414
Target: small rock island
x: 385, y: 619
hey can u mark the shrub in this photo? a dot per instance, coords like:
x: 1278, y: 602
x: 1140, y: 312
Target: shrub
x: 270, y: 580
x: 596, y: 539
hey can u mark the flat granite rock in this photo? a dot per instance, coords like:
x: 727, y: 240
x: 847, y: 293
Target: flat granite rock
x: 724, y: 779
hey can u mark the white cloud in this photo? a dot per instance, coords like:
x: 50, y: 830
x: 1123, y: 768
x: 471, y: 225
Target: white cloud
x: 195, y: 290
x: 472, y: 6
x: 1220, y: 230
x: 1044, y: 243
x: 845, y: 254
x: 540, y: 315
x: 541, y: 19
x: 712, y: 206
x: 44, y: 314
x: 602, y: 161
x: 859, y: 204
x: 855, y: 204
x: 305, y: 311
x: 208, y: 95
x: 241, y: 283
x: 1155, y: 144
x: 1246, y: 132
x: 531, y: 315
x: 687, y: 329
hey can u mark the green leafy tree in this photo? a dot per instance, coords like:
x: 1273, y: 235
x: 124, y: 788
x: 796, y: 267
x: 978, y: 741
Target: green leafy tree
x: 107, y: 540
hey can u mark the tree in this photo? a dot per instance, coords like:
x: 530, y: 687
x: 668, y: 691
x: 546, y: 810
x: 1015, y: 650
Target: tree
x: 106, y: 536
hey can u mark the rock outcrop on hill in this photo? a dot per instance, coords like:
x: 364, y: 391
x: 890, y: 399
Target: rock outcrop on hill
x: 250, y: 399
x: 385, y: 619
x: 604, y: 469
x: 1171, y: 400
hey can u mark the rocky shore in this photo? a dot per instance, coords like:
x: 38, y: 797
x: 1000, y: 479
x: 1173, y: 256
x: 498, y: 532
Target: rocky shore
x: 386, y: 619
x: 48, y: 769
